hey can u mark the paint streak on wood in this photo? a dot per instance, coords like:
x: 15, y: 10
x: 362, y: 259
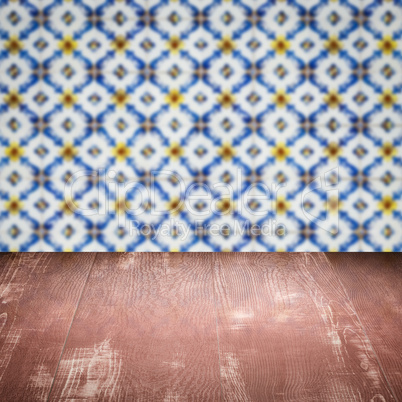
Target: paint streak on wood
x: 96, y: 371
x: 145, y: 330
x: 373, y: 283
x: 38, y: 296
x: 287, y: 331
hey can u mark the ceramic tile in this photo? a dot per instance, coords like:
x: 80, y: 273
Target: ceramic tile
x: 258, y: 115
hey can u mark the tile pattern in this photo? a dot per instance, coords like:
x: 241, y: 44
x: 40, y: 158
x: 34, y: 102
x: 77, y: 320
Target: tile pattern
x: 97, y: 94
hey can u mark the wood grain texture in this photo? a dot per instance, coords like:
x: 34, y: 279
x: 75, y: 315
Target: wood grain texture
x: 39, y: 294
x: 288, y: 332
x: 183, y: 326
x: 145, y: 330
x: 373, y: 283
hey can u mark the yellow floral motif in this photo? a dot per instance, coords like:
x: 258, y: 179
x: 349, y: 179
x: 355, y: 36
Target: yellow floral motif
x: 387, y: 205
x: 175, y: 151
x: 280, y: 151
x: 14, y: 205
x: 387, y: 151
x: 281, y: 206
x: 13, y: 99
x: 333, y: 45
x: 226, y: 99
x: 333, y: 151
x: 121, y: 151
x: 281, y: 99
x: 13, y: 45
x: 280, y: 45
x: 68, y: 99
x: 121, y: 206
x: 174, y: 98
x: 226, y: 45
x: 120, y: 44
x: 226, y: 151
x: 68, y: 206
x: 67, y: 45
x: 387, y: 45
x: 225, y: 205
x: 175, y: 205
x: 68, y: 152
x: 14, y: 152
x: 388, y: 99
x: 120, y: 98
x: 333, y: 205
x: 175, y: 44
x: 333, y: 99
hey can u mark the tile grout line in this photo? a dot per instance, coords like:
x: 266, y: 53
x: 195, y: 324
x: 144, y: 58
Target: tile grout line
x: 216, y: 324
x: 69, y: 329
x: 361, y: 59
x: 391, y: 390
x: 41, y: 135
x: 254, y: 107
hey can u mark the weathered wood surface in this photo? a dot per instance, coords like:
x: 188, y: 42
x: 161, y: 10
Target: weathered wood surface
x: 181, y: 326
x: 39, y: 294
x: 145, y: 330
x: 287, y: 331
x: 373, y: 282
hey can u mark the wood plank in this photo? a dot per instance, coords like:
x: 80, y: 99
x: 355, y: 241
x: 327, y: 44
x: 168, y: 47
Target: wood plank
x: 145, y: 330
x: 373, y: 282
x: 288, y: 332
x: 38, y: 297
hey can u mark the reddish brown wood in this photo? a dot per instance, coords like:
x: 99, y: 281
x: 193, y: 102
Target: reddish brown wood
x: 38, y: 297
x: 287, y: 331
x: 373, y: 283
x: 145, y: 330
x: 163, y: 326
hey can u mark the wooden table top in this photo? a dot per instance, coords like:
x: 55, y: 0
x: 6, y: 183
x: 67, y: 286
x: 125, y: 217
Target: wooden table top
x: 205, y: 327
